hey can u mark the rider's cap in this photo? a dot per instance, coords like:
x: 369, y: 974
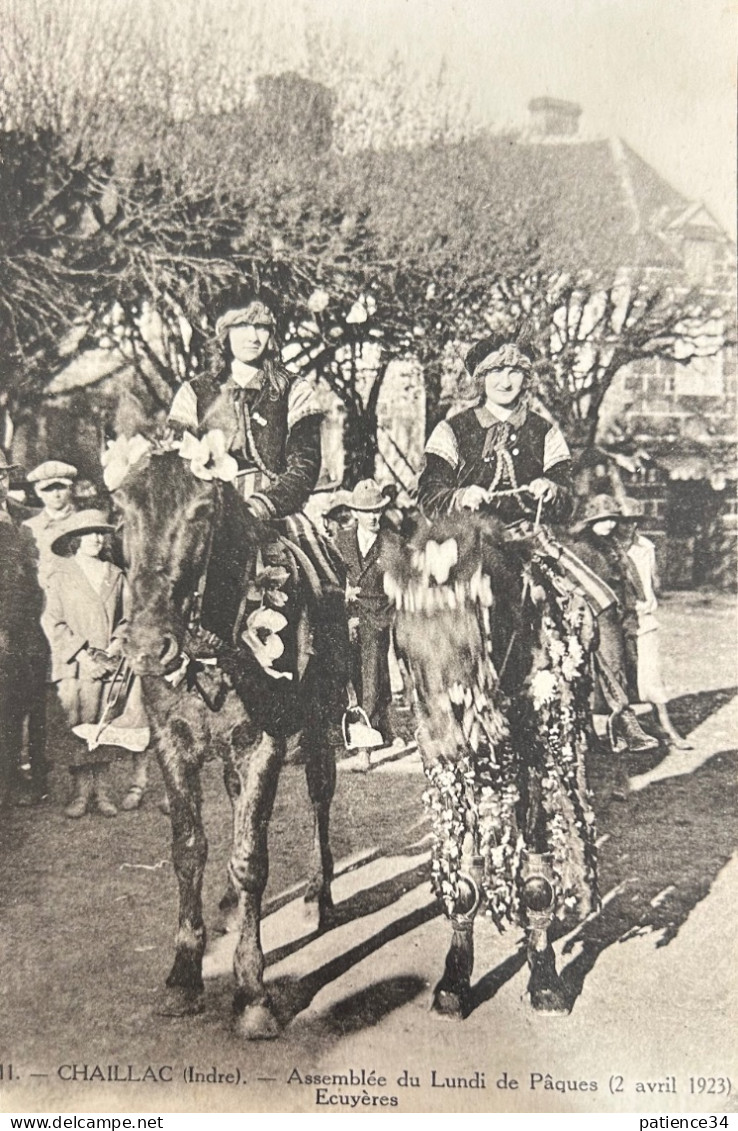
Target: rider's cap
x: 499, y: 352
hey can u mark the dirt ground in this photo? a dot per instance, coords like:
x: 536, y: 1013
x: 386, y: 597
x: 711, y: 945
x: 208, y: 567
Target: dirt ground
x: 88, y: 910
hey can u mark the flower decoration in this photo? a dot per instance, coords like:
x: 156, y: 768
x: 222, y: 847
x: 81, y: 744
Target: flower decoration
x: 121, y: 455
x: 357, y: 314
x: 318, y: 301
x: 475, y: 782
x: 543, y: 686
x: 208, y: 457
x: 262, y: 636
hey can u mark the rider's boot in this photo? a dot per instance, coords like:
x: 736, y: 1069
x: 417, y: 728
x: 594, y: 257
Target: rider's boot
x: 545, y: 988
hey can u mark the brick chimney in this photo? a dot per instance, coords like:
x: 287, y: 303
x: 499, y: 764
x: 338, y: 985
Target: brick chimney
x: 552, y: 117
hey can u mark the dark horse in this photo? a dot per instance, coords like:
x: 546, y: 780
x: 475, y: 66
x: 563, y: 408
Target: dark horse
x: 23, y: 667
x: 204, y: 577
x: 498, y: 642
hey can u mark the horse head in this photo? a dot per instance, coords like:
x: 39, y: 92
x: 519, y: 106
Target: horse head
x: 170, y: 506
x: 456, y: 586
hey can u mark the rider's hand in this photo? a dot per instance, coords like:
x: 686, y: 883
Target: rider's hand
x: 471, y: 498
x: 543, y: 488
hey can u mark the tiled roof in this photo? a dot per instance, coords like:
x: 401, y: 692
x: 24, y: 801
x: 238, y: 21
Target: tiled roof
x: 602, y: 198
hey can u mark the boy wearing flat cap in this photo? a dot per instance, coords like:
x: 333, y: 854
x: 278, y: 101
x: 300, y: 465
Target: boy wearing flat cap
x: 53, y: 482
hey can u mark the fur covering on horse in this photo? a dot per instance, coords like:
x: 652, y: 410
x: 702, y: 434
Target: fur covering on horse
x: 498, y: 645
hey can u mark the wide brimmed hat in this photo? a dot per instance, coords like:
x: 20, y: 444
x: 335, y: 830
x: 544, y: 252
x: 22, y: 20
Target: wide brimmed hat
x: 5, y: 467
x: 597, y: 509
x: 52, y: 471
x: 367, y: 496
x: 81, y: 522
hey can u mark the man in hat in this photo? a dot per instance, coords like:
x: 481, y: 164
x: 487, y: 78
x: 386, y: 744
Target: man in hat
x: 617, y: 654
x: 364, y: 548
x: 10, y: 510
x: 53, y: 482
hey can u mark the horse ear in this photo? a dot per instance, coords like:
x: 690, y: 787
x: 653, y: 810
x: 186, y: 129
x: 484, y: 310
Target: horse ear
x: 133, y: 418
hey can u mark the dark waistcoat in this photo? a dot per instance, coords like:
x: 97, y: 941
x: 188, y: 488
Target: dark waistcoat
x: 477, y: 458
x: 219, y: 406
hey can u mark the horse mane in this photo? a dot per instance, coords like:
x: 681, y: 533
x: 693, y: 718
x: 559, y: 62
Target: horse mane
x: 162, y: 483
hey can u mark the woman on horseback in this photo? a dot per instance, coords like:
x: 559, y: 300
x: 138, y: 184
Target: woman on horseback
x: 511, y: 461
x: 270, y: 420
x: 271, y: 424
x: 500, y: 454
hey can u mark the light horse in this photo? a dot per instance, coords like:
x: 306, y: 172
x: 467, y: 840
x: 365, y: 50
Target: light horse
x: 497, y: 641
x: 207, y: 634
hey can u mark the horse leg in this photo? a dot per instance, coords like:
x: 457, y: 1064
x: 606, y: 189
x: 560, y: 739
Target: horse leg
x: 452, y: 995
x: 258, y: 771
x: 545, y: 988
x: 189, y: 854
x: 228, y: 902
x: 320, y: 771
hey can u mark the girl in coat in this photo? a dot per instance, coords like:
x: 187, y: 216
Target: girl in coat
x: 83, y: 619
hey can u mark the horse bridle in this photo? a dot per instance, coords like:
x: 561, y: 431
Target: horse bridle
x: 190, y: 663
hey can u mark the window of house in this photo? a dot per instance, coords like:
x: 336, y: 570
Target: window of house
x: 699, y: 260
x: 700, y: 377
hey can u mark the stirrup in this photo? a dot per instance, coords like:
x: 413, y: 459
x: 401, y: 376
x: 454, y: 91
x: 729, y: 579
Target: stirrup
x: 133, y: 798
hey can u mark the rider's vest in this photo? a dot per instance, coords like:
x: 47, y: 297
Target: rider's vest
x: 480, y: 450
x: 249, y: 418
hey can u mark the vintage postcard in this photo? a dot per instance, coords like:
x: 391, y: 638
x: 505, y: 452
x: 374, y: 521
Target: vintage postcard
x: 368, y: 534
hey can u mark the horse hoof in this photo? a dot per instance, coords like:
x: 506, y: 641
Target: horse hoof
x: 317, y: 913
x: 549, y: 999
x: 258, y: 1023
x: 447, y: 1003
x: 179, y: 1002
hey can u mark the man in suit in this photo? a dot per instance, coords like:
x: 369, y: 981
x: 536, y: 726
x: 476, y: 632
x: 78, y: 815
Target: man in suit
x: 364, y: 548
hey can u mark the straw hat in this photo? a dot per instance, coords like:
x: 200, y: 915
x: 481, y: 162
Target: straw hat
x: 81, y: 522
x: 367, y: 496
x: 598, y: 509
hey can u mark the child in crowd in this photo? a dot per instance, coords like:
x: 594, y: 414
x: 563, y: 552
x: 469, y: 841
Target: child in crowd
x: 642, y: 553
x: 83, y: 619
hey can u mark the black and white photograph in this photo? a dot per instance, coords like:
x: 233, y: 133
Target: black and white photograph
x: 368, y: 557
